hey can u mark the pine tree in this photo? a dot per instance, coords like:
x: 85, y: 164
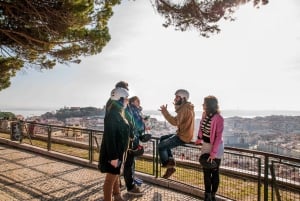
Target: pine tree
x: 42, y: 33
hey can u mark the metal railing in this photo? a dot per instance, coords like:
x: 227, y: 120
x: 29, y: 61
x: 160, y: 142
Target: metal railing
x: 245, y: 174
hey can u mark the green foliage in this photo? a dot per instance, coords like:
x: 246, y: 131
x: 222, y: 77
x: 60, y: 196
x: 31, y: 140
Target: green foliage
x: 9, y: 67
x: 7, y: 115
x: 64, y: 113
x: 199, y: 15
x: 43, y: 33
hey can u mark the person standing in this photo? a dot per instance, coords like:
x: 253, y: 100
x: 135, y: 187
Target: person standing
x: 210, y: 134
x: 135, y: 110
x: 184, y: 120
x: 114, y: 143
x: 129, y: 162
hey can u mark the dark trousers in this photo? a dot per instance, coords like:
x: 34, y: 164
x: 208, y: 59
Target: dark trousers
x: 129, y: 168
x: 212, y: 178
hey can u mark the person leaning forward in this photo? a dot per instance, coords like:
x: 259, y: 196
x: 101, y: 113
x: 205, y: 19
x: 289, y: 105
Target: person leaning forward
x: 184, y: 120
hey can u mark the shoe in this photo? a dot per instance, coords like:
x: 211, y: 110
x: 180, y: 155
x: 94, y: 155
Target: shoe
x: 135, y: 191
x: 207, y: 197
x: 169, y: 173
x: 170, y: 164
x: 118, y: 198
x: 138, y: 181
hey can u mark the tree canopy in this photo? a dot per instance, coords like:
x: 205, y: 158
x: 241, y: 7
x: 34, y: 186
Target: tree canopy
x: 200, y: 15
x: 7, y: 115
x: 43, y: 33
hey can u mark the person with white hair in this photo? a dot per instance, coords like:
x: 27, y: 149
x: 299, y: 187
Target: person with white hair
x: 184, y: 120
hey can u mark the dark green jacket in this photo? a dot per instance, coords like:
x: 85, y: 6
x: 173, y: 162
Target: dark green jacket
x: 128, y: 116
x: 115, y: 138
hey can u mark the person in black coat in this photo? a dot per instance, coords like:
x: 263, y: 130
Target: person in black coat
x: 114, y: 143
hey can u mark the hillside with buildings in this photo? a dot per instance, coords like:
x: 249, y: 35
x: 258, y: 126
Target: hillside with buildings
x: 277, y: 134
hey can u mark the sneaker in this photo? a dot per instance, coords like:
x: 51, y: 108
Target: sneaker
x: 135, y: 191
x: 169, y: 173
x: 170, y: 163
x: 138, y: 181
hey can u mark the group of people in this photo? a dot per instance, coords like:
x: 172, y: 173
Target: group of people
x: 124, y: 127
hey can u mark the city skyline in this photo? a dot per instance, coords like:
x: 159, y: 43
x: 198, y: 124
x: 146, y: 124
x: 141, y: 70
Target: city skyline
x: 252, y: 64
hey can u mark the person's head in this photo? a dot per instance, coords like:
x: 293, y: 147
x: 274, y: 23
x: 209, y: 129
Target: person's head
x: 122, y: 84
x: 210, y: 105
x: 120, y: 94
x: 134, y: 100
x: 181, y: 96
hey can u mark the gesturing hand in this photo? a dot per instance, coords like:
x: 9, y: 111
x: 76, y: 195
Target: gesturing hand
x: 163, y: 108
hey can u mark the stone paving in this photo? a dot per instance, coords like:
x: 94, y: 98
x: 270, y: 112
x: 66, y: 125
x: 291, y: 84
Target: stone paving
x: 29, y: 176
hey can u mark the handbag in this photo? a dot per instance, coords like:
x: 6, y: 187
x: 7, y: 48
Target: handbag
x: 203, y: 159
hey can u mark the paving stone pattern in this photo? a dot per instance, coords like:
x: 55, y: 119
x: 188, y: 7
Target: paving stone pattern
x: 29, y: 176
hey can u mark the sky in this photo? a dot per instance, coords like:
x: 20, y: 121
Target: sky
x: 252, y: 64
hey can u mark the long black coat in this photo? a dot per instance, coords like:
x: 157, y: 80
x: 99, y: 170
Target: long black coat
x: 115, y: 139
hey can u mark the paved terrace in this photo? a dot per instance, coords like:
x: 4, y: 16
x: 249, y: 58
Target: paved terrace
x: 26, y: 175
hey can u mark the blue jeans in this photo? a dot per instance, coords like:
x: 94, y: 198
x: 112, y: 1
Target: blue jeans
x: 166, y: 143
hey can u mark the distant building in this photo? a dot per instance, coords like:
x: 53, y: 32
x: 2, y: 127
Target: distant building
x: 238, y: 139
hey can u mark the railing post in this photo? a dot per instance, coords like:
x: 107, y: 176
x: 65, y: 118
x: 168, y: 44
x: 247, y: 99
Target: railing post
x: 266, y: 178
x: 156, y: 157
x: 49, y: 138
x: 259, y: 180
x: 90, y: 147
x: 272, y: 169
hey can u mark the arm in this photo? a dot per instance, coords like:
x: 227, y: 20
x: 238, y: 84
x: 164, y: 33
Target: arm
x: 111, y: 138
x: 218, y: 132
x: 172, y: 120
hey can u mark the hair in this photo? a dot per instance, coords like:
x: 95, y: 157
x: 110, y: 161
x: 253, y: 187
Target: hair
x: 132, y: 99
x: 122, y: 84
x: 211, y: 103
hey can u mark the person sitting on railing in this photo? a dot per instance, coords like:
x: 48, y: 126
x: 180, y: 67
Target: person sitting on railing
x: 210, y: 135
x: 184, y: 120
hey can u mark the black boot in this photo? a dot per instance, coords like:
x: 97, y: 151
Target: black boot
x: 207, y: 197
x: 213, y: 196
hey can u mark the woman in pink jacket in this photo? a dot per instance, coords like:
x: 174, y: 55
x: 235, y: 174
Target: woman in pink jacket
x: 210, y: 135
